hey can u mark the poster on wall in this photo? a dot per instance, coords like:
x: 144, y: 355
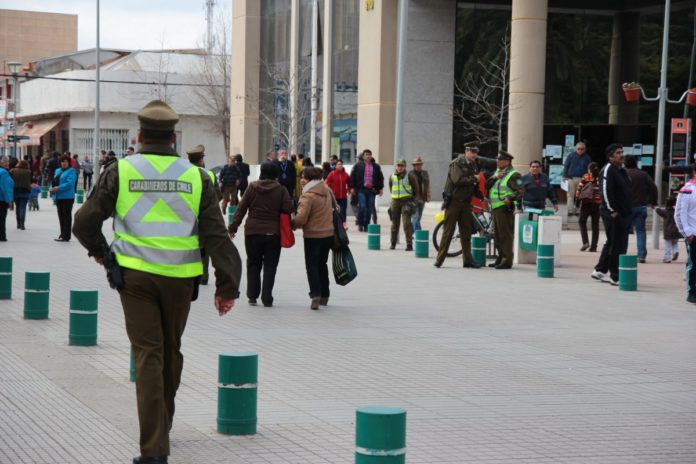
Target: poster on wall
x: 570, y: 140
x: 555, y: 174
x: 554, y: 151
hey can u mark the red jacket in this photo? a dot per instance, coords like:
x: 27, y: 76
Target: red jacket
x: 339, y: 183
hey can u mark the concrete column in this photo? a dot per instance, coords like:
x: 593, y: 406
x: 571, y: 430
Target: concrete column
x: 246, y: 54
x: 527, y: 80
x: 624, y: 66
x: 377, y: 78
x: 327, y: 95
x: 294, y: 54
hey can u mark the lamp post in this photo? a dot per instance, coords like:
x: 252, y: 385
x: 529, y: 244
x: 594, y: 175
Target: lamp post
x: 14, y: 66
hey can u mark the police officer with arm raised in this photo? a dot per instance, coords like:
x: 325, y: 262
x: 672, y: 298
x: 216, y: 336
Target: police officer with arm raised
x: 165, y: 210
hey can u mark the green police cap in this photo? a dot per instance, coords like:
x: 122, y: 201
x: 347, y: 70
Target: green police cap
x: 401, y: 162
x: 503, y: 155
x: 473, y: 146
x: 196, y: 153
x: 157, y: 115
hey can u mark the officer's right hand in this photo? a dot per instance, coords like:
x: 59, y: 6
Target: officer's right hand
x: 223, y: 306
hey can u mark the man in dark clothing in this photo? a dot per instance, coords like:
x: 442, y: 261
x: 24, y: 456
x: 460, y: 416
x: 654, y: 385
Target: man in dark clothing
x: 230, y: 178
x: 286, y: 172
x: 644, y: 193
x: 367, y: 181
x: 616, y: 192
x: 537, y: 188
x: 244, y: 171
x: 574, y: 167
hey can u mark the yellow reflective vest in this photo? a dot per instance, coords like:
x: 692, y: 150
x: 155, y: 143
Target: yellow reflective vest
x: 156, y: 223
x: 400, y: 188
x: 500, y: 189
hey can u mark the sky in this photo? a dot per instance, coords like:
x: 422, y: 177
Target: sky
x: 131, y: 24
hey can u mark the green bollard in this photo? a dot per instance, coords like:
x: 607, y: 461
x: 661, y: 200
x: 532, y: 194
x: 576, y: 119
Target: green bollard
x: 545, y: 257
x: 36, y: 289
x: 478, y: 249
x: 422, y: 243
x: 132, y: 365
x: 237, y: 390
x: 373, y: 236
x: 80, y: 198
x: 83, y: 317
x: 380, y: 435
x: 44, y: 191
x: 230, y: 213
x: 628, y: 273
x: 5, y: 277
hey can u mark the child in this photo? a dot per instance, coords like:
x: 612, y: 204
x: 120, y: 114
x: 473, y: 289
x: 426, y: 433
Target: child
x: 670, y: 231
x: 34, y: 199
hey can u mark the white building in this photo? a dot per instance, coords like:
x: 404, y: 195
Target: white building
x: 56, y: 110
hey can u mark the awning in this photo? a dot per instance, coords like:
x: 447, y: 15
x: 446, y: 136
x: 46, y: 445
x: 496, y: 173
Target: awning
x: 37, y: 130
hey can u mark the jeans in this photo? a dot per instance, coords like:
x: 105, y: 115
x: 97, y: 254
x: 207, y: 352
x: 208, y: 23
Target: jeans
x: 671, y: 248
x: 21, y: 200
x: 263, y: 252
x: 690, y: 271
x: 416, y: 218
x: 616, y: 244
x: 343, y: 203
x: 316, y: 251
x: 640, y: 214
x: 366, y: 203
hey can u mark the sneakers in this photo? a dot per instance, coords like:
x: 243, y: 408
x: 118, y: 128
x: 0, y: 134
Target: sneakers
x: 675, y: 256
x: 597, y: 275
x: 585, y: 246
x: 666, y: 260
x: 608, y: 280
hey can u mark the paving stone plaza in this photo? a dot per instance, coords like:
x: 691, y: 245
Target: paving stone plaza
x: 491, y: 366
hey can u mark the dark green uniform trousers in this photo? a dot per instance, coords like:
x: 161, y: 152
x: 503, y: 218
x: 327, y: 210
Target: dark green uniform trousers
x: 504, y: 229
x: 397, y: 215
x: 458, y: 214
x: 156, y: 309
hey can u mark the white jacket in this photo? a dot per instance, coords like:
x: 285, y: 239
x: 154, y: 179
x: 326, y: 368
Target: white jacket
x: 685, y: 211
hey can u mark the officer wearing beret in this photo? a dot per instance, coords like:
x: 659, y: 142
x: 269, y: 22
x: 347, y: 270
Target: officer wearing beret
x: 504, y: 191
x: 196, y: 157
x: 164, y: 210
x: 460, y: 187
x: 402, y: 188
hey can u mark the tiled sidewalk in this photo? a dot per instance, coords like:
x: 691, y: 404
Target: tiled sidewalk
x: 492, y: 366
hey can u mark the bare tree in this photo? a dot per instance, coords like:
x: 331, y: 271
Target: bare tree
x: 482, y: 104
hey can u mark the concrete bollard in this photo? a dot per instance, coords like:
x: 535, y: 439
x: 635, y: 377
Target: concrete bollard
x: 373, y: 236
x: 36, y: 291
x: 422, y: 243
x: 478, y: 249
x: 380, y: 435
x: 132, y: 365
x: 628, y: 273
x: 230, y: 213
x: 83, y: 317
x: 237, y: 393
x: 5, y: 277
x: 545, y: 257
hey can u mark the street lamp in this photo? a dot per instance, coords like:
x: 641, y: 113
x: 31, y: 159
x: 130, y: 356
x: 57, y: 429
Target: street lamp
x: 14, y: 66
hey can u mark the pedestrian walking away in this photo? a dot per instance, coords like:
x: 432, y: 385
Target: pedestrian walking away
x: 615, y: 211
x: 574, y: 168
x: 644, y: 194
x: 21, y: 174
x: 87, y: 172
x: 670, y: 231
x: 504, y: 192
x: 164, y: 210
x: 685, y: 218
x: 264, y: 201
x: 315, y: 217
x: 244, y: 173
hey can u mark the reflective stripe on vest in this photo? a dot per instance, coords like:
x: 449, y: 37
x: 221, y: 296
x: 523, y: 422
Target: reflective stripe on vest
x: 500, y: 190
x: 401, y: 188
x: 156, y: 223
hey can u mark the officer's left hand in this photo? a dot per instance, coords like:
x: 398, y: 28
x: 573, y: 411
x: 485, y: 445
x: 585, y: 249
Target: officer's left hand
x: 223, y: 306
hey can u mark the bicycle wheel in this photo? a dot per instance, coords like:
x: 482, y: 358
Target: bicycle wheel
x: 455, y: 248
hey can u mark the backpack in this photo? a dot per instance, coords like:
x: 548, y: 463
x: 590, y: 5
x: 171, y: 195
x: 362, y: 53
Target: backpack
x: 586, y: 194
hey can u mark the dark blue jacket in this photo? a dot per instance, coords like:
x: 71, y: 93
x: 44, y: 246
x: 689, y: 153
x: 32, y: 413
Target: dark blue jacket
x: 536, y: 193
x: 576, y: 165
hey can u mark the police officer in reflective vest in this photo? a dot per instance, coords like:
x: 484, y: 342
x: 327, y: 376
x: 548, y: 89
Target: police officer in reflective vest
x: 504, y: 191
x: 165, y: 210
x: 402, y: 205
x: 195, y: 157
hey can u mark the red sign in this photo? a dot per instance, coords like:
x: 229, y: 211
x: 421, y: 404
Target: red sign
x: 681, y: 126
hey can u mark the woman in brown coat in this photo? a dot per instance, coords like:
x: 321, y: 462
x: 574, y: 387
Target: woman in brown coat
x: 315, y: 217
x: 21, y: 174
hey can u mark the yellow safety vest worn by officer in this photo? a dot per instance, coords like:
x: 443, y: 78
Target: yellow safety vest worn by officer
x: 401, y: 188
x: 156, y: 223
x: 500, y: 189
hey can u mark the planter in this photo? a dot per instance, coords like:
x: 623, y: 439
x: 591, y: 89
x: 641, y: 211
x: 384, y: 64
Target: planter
x: 691, y: 97
x: 631, y: 93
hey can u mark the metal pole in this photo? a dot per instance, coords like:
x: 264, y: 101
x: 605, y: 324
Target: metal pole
x: 14, y: 113
x: 327, y: 97
x: 691, y: 66
x: 313, y: 122
x: 659, y: 155
x: 97, y: 103
x: 295, y: 74
x: 401, y: 66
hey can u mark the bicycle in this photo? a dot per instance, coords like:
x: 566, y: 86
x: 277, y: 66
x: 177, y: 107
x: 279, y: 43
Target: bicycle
x: 482, y: 225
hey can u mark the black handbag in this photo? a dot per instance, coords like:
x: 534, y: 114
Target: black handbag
x: 340, y: 234
x: 344, y: 266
